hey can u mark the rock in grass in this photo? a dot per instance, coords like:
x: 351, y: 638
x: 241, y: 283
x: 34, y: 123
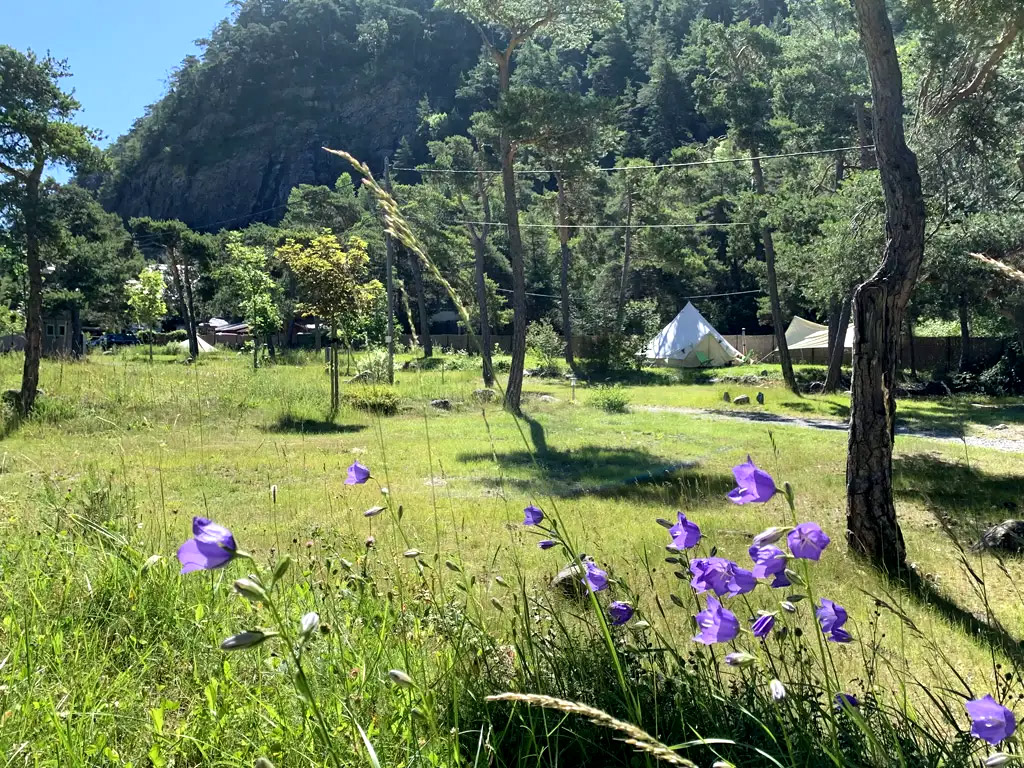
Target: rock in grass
x: 569, y: 581
x: 363, y: 377
x: 760, y: 398
x: 1007, y: 536
x: 726, y: 397
x: 742, y: 400
x: 441, y: 404
x: 484, y: 395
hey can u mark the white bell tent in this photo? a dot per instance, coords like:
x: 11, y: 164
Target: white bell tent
x: 690, y: 341
x: 803, y: 334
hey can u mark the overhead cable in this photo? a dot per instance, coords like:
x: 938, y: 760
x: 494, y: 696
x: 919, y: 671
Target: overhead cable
x: 615, y: 168
x: 612, y: 226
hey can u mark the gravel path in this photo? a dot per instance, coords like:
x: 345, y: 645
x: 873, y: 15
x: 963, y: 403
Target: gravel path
x: 1008, y: 445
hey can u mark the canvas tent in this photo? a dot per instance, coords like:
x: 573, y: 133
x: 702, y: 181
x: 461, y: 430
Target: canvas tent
x: 203, y: 345
x: 803, y: 334
x: 690, y: 341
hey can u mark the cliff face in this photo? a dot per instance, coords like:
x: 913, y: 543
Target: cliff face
x: 243, y: 124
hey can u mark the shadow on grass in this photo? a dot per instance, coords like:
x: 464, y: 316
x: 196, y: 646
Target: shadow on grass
x: 963, y: 496
x: 598, y: 470
x: 949, y: 415
x: 288, y: 423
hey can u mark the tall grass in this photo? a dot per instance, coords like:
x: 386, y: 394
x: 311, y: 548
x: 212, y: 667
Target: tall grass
x: 420, y: 655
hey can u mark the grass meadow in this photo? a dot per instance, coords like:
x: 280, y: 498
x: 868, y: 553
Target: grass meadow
x: 109, y: 657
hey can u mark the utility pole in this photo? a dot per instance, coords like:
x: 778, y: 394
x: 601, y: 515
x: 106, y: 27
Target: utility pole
x: 390, y: 247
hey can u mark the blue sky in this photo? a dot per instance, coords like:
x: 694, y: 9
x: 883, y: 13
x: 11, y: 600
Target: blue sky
x: 120, y: 51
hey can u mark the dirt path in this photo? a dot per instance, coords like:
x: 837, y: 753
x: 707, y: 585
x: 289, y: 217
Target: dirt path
x: 1007, y: 445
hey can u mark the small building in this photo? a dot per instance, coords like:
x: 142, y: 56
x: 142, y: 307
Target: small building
x: 57, y: 334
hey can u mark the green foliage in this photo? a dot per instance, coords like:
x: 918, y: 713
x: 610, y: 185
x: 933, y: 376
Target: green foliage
x: 373, y: 398
x: 610, y: 399
x: 543, y: 341
x: 146, y: 298
x: 254, y: 289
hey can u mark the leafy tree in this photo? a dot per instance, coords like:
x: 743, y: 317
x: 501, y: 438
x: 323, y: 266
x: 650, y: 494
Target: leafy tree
x: 254, y: 290
x: 187, y: 255
x: 505, y: 25
x: 333, y: 284
x: 736, y: 88
x: 146, y: 301
x: 37, y: 129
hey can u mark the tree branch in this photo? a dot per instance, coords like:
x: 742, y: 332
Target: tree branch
x: 10, y: 170
x: 987, y: 69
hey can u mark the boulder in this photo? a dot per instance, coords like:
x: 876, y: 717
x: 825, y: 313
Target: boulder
x: 363, y: 377
x: 760, y: 398
x: 569, y: 581
x: 484, y: 395
x: 1007, y: 536
x: 442, y: 404
x: 741, y: 400
x: 726, y: 397
x: 547, y: 399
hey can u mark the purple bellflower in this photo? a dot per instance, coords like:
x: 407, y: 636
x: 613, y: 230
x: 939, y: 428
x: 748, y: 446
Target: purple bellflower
x: 721, y: 576
x: 717, y: 624
x: 685, y: 534
x: 753, y: 485
x: 547, y: 543
x: 620, y: 613
x: 212, y: 547
x: 990, y: 720
x: 807, y: 541
x: 532, y: 515
x: 832, y: 616
x: 594, y: 578
x: 763, y: 625
x: 357, y: 474
x: 769, y: 561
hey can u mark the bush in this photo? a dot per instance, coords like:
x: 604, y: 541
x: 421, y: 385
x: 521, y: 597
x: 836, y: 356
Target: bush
x: 1006, y: 377
x: 374, y: 398
x: 374, y: 365
x: 612, y: 399
x: 543, y: 341
x: 159, y: 339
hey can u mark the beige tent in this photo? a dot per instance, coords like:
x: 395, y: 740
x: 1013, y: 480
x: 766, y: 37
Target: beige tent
x: 803, y: 334
x: 690, y: 341
x: 203, y: 345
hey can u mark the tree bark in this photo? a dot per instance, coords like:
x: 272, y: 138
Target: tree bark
x: 421, y: 302
x: 773, y: 283
x: 193, y: 333
x: 271, y: 347
x: 834, y: 376
x: 480, y: 252
x: 514, y: 386
x: 867, y: 156
x: 627, y: 253
x: 34, y: 307
x: 77, y: 342
x: 563, y: 238
x: 964, y: 310
x: 879, y: 305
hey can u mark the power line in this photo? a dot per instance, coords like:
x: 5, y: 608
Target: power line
x: 613, y: 226
x: 702, y: 296
x: 615, y: 168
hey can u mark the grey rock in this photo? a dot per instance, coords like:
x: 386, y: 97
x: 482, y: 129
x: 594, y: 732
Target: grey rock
x: 547, y: 399
x: 363, y: 377
x: 741, y: 400
x: 726, y: 397
x: 764, y: 372
x: 484, y: 395
x: 760, y: 398
x: 569, y: 581
x: 1000, y: 426
x: 1007, y: 536
x: 442, y: 404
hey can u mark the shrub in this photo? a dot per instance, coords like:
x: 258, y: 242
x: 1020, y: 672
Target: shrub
x: 374, y: 365
x: 374, y: 398
x: 1006, y: 377
x: 612, y: 399
x: 543, y: 341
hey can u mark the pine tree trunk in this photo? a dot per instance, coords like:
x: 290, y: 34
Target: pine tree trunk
x: 514, y: 386
x: 773, y: 283
x: 835, y: 361
x: 563, y: 237
x: 627, y: 253
x: 479, y: 253
x: 965, y: 333
x: 151, y: 347
x: 77, y: 342
x: 421, y: 302
x: 193, y: 334
x: 34, y: 306
x: 879, y: 305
